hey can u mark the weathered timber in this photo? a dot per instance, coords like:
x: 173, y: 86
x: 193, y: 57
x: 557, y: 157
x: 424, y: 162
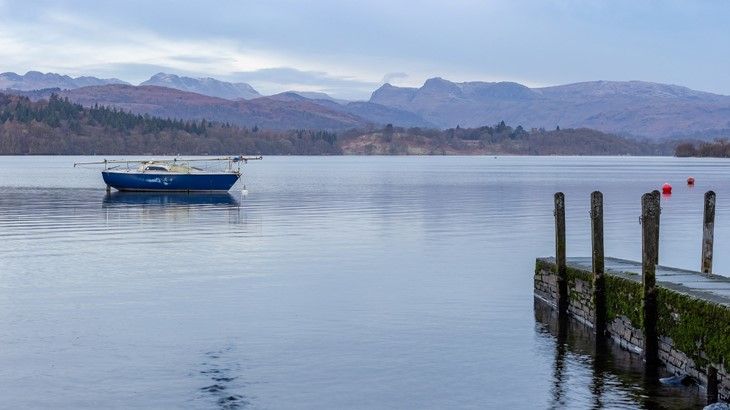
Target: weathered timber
x: 708, y: 230
x: 597, y: 262
x: 650, y: 226
x: 560, y: 254
x: 658, y: 196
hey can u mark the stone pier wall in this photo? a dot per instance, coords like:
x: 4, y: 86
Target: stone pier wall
x: 694, y: 333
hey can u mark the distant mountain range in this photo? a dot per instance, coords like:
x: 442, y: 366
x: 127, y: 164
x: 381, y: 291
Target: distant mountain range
x: 624, y: 107
x: 34, y: 80
x: 168, y: 95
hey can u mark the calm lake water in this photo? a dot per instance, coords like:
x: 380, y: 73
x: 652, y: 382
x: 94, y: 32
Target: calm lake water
x: 337, y: 282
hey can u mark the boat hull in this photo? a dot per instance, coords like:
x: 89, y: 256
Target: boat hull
x: 170, y: 182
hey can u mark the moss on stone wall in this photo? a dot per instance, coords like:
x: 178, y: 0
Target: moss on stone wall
x: 574, y: 294
x: 695, y: 325
x: 544, y: 265
x: 623, y: 298
x: 574, y: 274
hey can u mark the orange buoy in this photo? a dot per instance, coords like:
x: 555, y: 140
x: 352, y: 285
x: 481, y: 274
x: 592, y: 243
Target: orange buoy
x: 666, y: 188
x: 691, y: 181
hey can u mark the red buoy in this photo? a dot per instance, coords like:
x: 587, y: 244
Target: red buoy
x: 691, y: 181
x: 666, y: 188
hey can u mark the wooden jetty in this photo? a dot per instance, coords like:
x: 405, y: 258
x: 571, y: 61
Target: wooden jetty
x: 675, y: 318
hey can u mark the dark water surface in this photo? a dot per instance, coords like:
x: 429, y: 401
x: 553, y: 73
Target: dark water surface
x: 337, y: 282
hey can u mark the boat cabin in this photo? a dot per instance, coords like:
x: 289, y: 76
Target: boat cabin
x: 156, y: 167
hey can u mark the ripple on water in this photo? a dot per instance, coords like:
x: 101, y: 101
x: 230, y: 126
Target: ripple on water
x: 219, y: 371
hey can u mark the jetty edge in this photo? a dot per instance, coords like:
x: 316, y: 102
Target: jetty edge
x: 675, y: 318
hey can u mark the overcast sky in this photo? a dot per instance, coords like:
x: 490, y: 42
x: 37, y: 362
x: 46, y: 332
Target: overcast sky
x: 348, y: 48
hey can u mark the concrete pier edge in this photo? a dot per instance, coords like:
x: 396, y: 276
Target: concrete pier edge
x: 693, y: 312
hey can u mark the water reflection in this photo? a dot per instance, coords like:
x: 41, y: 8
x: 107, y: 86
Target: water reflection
x: 172, y: 198
x: 598, y: 379
x: 558, y: 388
x: 617, y: 377
x: 183, y: 209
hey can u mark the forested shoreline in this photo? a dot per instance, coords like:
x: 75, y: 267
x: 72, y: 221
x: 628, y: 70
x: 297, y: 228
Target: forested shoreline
x: 59, y: 127
x: 717, y: 149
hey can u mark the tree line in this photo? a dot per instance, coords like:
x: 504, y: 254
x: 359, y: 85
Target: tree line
x: 59, y: 127
x: 719, y: 149
x: 497, y: 139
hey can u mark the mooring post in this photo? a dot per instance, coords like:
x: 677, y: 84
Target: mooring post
x: 560, y: 258
x: 708, y: 230
x: 649, y: 225
x: 658, y: 196
x: 711, y: 385
x: 599, y: 296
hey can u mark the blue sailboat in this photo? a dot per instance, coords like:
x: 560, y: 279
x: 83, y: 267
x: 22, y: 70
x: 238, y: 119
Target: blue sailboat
x: 171, y: 175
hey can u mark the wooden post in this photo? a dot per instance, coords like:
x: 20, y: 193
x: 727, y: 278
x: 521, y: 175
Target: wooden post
x: 599, y: 296
x: 658, y: 196
x: 560, y: 258
x: 649, y: 225
x: 711, y: 385
x: 708, y: 231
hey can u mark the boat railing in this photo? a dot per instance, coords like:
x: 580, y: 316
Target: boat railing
x: 231, y: 160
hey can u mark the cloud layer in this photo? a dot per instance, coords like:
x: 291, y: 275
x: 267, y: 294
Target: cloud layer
x: 348, y: 48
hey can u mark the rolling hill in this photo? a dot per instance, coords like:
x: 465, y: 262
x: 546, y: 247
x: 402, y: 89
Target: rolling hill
x: 168, y: 102
x: 281, y: 111
x: 57, y: 126
x: 370, y: 112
